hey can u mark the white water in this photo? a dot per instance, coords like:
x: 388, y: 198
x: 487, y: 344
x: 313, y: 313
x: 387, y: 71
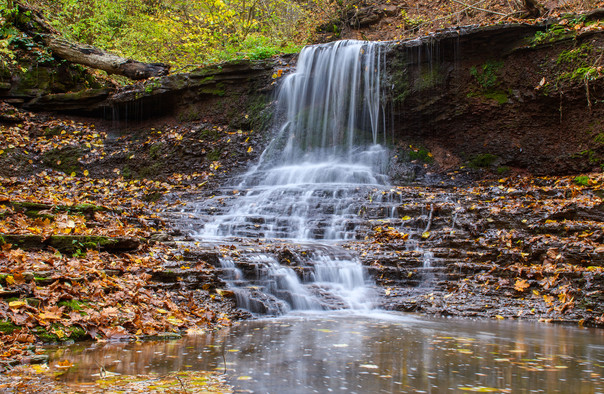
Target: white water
x: 313, y: 178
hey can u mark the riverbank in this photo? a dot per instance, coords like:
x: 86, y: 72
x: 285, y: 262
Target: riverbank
x: 85, y: 251
x: 89, y: 250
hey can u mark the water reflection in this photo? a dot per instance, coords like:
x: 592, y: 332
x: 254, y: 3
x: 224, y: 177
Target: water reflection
x: 371, y: 353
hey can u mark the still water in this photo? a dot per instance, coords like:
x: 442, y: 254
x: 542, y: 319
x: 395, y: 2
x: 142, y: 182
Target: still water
x: 375, y: 352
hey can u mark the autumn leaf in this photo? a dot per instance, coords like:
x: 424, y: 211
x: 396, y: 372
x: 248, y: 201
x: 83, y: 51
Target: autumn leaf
x: 16, y: 304
x: 64, y: 364
x: 521, y: 285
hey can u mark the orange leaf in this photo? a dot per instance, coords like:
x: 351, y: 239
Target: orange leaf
x: 521, y: 285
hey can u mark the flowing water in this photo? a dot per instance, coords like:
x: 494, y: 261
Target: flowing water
x: 310, y: 189
x: 367, y: 353
x: 311, y: 182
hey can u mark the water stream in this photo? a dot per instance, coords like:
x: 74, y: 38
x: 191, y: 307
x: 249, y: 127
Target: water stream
x: 373, y: 352
x: 311, y: 188
x: 310, y: 183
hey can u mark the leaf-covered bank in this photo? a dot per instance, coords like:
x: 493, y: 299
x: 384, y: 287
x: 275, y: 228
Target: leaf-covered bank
x: 85, y: 252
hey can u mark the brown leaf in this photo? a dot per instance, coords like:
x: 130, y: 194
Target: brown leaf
x: 521, y: 285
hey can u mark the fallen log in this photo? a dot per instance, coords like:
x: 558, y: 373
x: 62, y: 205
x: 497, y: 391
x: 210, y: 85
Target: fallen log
x: 86, y: 55
x: 95, y: 58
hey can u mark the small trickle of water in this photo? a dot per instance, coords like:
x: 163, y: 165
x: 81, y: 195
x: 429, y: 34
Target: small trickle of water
x: 313, y: 178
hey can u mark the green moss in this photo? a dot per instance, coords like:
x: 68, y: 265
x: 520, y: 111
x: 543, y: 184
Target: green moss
x: 484, y: 160
x: 214, y: 155
x: 573, y: 56
x: 52, y: 131
x: 582, y: 180
x: 256, y: 117
x: 499, y: 96
x: 486, y: 75
x: 599, y: 138
x: 81, y: 208
x: 209, y: 135
x: 552, y: 34
x: 429, y: 77
x: 152, y: 197
x: 154, y: 150
x: 7, y: 327
x: 151, y: 171
x: 63, y: 159
x: 420, y: 153
x: 74, y: 305
x: 218, y: 90
x: 73, y: 333
x: 71, y: 244
x: 503, y: 170
x: 591, y: 156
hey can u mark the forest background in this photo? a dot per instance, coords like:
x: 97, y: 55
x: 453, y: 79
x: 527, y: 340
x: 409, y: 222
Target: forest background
x: 186, y: 34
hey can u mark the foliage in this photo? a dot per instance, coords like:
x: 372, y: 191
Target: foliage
x: 185, y: 33
x: 553, y: 33
x: 486, y: 75
x: 420, y: 153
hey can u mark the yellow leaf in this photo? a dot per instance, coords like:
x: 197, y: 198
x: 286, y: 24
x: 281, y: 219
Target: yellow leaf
x: 250, y: 149
x: 499, y: 317
x: 16, y: 304
x: 9, y: 280
x: 73, y: 174
x: 426, y: 235
x: 64, y: 364
x: 86, y: 172
x: 404, y: 218
x: 163, y: 311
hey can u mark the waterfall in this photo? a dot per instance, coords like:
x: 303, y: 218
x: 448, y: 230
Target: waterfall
x: 313, y: 178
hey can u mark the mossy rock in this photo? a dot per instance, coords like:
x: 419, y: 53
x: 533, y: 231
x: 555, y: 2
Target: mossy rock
x: 484, y: 160
x: 33, y: 210
x: 66, y: 159
x: 73, y: 305
x: 73, y: 333
x: 7, y: 327
x: 26, y: 242
x: 71, y: 243
x: 74, y: 243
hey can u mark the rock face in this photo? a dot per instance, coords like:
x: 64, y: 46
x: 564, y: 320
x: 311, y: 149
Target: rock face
x: 506, y: 96
x: 221, y: 92
x: 518, y: 95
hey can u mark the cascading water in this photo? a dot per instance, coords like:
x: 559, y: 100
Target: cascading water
x: 313, y: 178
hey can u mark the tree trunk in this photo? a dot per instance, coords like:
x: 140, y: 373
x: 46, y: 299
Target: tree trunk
x: 86, y: 54
x: 95, y: 58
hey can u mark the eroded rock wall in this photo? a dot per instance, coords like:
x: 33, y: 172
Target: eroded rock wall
x: 514, y: 96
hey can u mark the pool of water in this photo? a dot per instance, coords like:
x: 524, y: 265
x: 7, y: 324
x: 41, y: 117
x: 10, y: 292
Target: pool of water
x: 374, y: 352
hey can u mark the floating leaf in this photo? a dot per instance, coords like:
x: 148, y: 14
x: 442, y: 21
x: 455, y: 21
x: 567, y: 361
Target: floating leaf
x: 480, y: 389
x: 64, y: 364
